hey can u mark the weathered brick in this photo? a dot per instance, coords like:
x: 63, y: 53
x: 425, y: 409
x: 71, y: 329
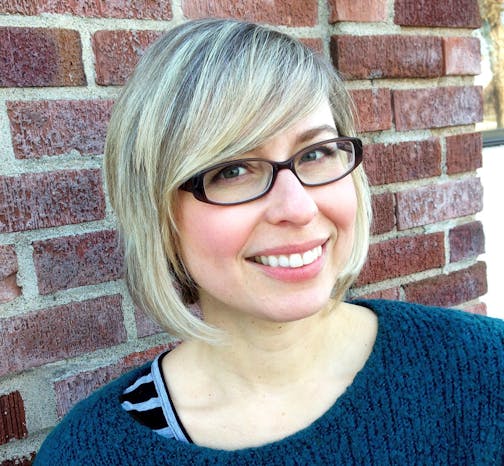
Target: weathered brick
x: 374, y: 111
x: 462, y: 55
x: 448, y: 13
x: 284, y: 12
x: 71, y: 261
x: 383, y: 213
x: 42, y: 200
x: 58, y: 126
x: 9, y: 289
x: 60, y: 332
x: 20, y: 460
x: 403, y: 161
x: 466, y: 241
x: 8, y: 261
x: 145, y: 325
x: 137, y: 9
x: 314, y: 43
x: 18, y: 7
x: 479, y: 308
x: 451, y: 289
x: 357, y: 10
x: 438, y: 202
x: 12, y: 417
x: 118, y: 52
x: 77, y: 387
x: 387, y: 56
x: 402, y: 256
x: 40, y: 57
x: 463, y: 153
x: 390, y: 293
x: 437, y: 107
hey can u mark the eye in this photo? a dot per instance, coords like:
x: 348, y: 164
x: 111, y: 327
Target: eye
x: 319, y: 153
x: 231, y: 171
x: 311, y: 156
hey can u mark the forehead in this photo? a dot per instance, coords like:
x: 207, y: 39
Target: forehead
x: 314, y: 127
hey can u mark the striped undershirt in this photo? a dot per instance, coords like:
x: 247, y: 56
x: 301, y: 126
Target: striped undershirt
x: 149, y: 402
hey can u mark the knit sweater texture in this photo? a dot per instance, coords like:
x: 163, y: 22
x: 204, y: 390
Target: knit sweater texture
x: 431, y: 393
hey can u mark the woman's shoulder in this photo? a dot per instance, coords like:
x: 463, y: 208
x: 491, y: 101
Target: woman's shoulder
x: 455, y: 335
x: 92, y: 424
x: 451, y: 322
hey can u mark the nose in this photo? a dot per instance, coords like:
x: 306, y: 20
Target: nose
x: 289, y: 201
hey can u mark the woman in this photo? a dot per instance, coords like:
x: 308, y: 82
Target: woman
x: 237, y: 186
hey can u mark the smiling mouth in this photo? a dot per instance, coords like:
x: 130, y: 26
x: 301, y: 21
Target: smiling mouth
x: 290, y: 260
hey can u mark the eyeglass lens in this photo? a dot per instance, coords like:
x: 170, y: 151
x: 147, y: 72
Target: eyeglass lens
x: 245, y: 179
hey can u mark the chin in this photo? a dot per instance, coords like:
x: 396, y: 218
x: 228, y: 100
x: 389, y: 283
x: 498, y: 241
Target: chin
x: 296, y: 311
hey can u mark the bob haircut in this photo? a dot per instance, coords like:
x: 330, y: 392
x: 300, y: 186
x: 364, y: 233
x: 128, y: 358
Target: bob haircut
x: 206, y: 91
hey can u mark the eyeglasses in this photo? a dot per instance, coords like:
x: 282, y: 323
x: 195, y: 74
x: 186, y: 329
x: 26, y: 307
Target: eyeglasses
x: 244, y: 180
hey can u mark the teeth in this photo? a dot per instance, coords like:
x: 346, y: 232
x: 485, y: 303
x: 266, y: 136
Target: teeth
x: 292, y: 260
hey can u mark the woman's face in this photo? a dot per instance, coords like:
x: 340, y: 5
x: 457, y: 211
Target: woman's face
x: 221, y: 245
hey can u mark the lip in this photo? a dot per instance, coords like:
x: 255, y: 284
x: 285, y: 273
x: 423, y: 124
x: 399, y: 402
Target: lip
x: 297, y: 274
x: 289, y: 249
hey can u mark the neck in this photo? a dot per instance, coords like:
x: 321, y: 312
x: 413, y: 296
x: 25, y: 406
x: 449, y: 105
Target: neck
x: 261, y: 354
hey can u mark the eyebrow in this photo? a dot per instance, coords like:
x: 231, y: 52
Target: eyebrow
x: 313, y: 132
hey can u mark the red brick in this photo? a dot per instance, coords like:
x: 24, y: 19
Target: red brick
x: 118, y: 52
x: 404, y: 161
x: 145, y: 325
x: 402, y: 256
x: 383, y: 213
x: 448, y: 13
x: 467, y: 241
x: 438, y: 202
x: 12, y: 417
x: 437, y: 107
x: 387, y: 56
x: 137, y: 9
x: 389, y: 293
x: 284, y: 12
x: 479, y: 308
x: 462, y: 55
x: 314, y: 43
x: 71, y: 261
x: 59, y: 126
x: 20, y: 461
x: 40, y: 57
x: 449, y: 290
x: 8, y: 261
x: 41, y: 200
x: 141, y: 357
x: 18, y: 7
x: 77, y: 387
x: 374, y: 111
x: 463, y: 153
x: 9, y: 289
x: 60, y: 332
x: 358, y: 10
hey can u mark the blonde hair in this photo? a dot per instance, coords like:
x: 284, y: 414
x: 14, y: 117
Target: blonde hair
x: 205, y: 91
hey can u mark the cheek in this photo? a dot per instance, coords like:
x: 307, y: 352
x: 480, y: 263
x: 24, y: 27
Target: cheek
x: 340, y: 205
x: 210, y: 236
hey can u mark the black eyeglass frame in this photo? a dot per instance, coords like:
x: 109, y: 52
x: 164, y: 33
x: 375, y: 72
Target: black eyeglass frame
x: 195, y: 184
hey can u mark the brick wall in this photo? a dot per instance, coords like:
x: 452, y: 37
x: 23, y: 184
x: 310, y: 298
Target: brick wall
x: 67, y: 324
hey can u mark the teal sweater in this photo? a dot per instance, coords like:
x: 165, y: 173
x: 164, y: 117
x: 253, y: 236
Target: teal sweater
x: 431, y: 392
